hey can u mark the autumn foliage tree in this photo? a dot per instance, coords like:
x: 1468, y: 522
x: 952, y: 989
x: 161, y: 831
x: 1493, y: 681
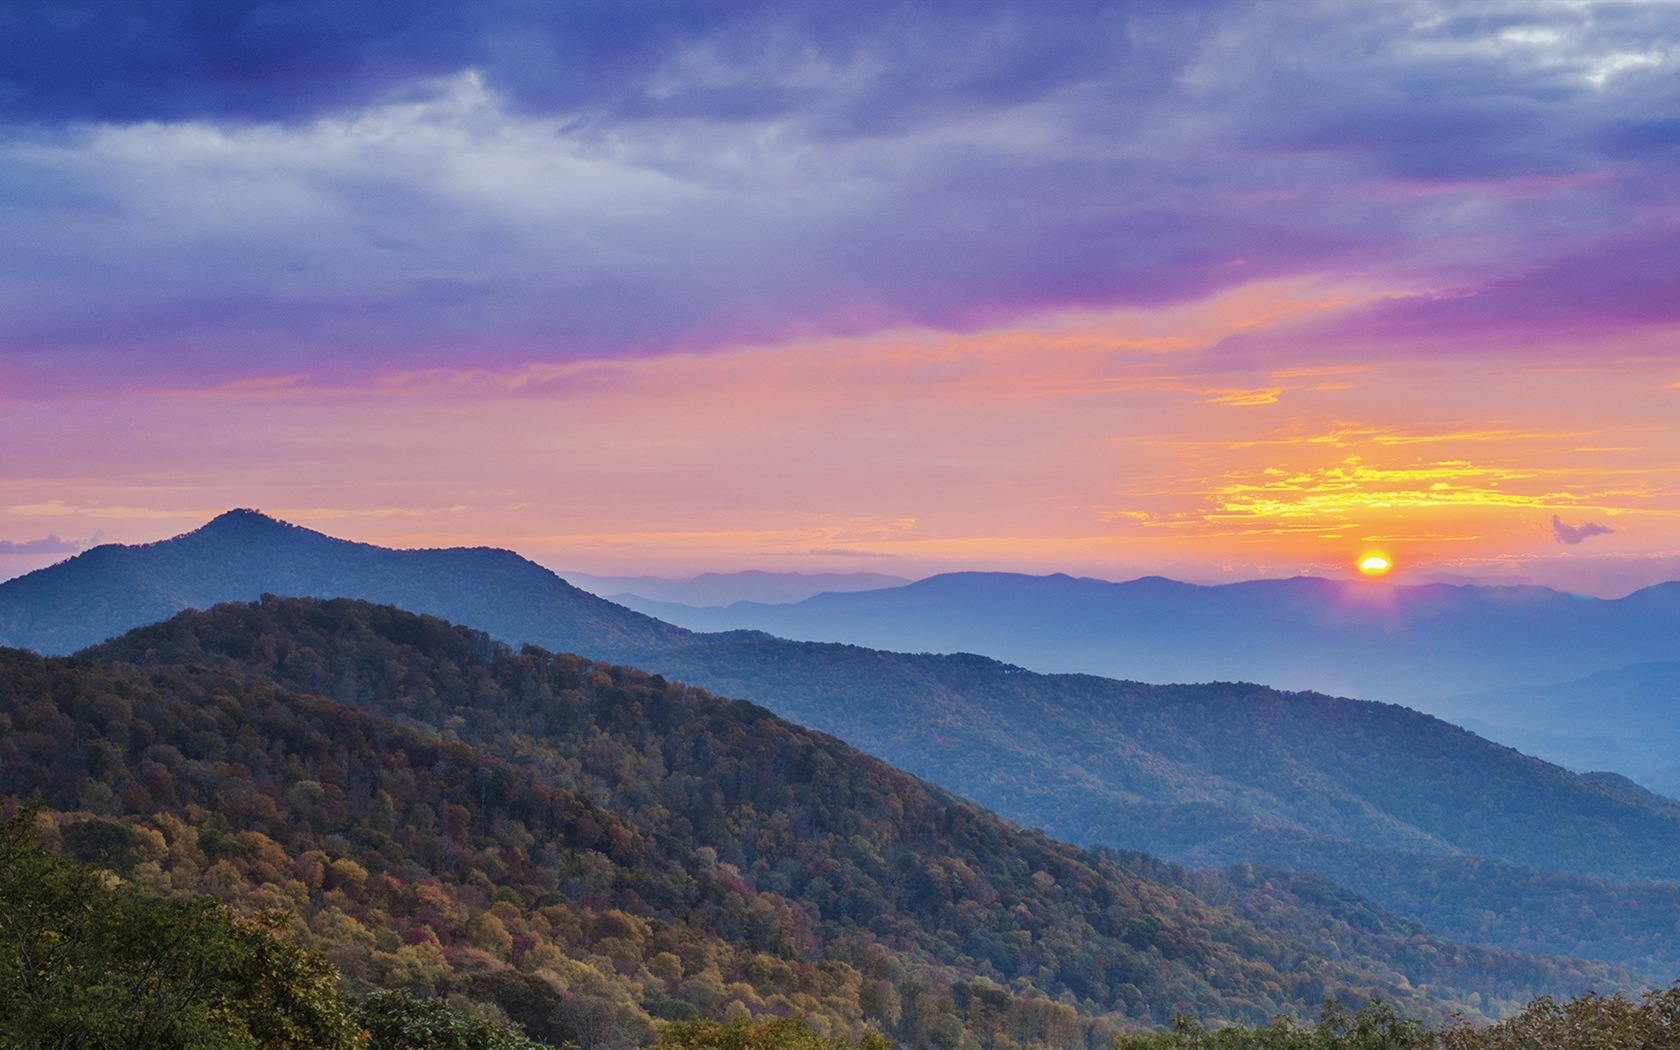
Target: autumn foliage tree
x: 1376, y: 1026
x: 85, y: 963
x: 786, y: 1033
x: 1586, y: 1022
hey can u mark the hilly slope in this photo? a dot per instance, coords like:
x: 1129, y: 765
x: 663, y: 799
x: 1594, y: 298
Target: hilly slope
x: 447, y: 812
x: 1398, y: 805
x: 1424, y: 816
x: 1408, y: 644
x: 1172, y: 768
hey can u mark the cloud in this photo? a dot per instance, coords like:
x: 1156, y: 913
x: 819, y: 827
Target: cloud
x: 1574, y: 534
x: 1625, y: 282
x: 57, y: 508
x: 49, y: 544
x: 222, y: 189
x: 846, y: 552
x: 865, y: 66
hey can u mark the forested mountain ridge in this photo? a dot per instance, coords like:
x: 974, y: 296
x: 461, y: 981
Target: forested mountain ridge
x: 1172, y: 768
x: 1397, y: 805
x: 1471, y: 837
x: 443, y: 810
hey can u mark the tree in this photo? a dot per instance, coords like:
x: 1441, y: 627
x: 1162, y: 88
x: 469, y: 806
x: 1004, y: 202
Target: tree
x: 1587, y: 1022
x: 782, y: 1033
x: 1375, y: 1027
x: 85, y: 962
x: 399, y: 1021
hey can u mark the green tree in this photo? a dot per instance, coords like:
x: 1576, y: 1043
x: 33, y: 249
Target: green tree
x: 88, y: 963
x: 399, y: 1021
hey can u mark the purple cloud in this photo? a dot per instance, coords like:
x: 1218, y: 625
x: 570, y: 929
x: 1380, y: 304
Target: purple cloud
x: 1627, y: 282
x: 1575, y: 534
x: 46, y: 545
x: 845, y: 552
x: 201, y: 191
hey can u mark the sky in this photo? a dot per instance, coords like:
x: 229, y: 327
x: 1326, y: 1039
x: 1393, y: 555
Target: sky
x: 1214, y: 290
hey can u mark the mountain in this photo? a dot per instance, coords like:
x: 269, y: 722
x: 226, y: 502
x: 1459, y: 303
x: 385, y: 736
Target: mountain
x: 1627, y: 719
x: 725, y: 588
x: 243, y: 554
x: 1424, y: 817
x: 1406, y: 644
x: 587, y: 844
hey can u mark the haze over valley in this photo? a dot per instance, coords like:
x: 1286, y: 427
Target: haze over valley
x: 1406, y: 643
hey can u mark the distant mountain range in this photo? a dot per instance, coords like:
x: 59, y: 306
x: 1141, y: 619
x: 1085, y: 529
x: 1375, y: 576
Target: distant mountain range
x: 726, y: 588
x: 1627, y: 719
x: 1382, y: 641
x: 1432, y: 821
x: 588, y: 847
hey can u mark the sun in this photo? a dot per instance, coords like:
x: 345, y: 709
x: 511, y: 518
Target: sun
x: 1375, y: 564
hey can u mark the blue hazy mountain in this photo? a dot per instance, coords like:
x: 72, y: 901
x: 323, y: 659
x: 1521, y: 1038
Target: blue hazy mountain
x: 726, y: 588
x: 1425, y: 817
x: 1627, y: 719
x: 243, y: 554
x: 1408, y: 644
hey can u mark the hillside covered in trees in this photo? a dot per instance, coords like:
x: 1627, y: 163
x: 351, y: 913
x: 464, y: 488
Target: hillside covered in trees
x: 595, y: 850
x: 90, y: 960
x: 1473, y: 839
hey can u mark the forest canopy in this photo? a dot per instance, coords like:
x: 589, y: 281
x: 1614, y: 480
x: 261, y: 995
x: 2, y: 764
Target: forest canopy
x: 598, y: 854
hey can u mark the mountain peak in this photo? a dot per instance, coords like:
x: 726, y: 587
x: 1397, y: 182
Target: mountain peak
x: 242, y: 524
x: 242, y: 518
x: 244, y: 553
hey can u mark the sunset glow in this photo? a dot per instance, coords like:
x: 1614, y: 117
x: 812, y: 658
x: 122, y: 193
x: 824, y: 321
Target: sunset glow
x: 1375, y: 565
x: 1046, y: 319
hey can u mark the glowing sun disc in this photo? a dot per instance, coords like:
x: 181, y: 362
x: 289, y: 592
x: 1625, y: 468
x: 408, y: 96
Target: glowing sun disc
x: 1374, y: 565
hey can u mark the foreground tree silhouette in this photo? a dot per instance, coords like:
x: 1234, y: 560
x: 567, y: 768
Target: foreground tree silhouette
x: 88, y: 963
